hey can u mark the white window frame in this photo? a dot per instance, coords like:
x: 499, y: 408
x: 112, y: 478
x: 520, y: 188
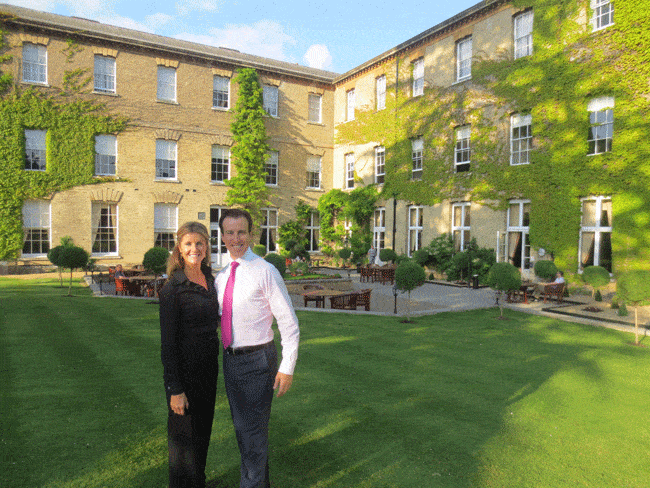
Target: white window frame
x: 461, y: 229
x: 271, y: 166
x: 105, y: 220
x: 523, y: 34
x: 313, y: 231
x: 464, y: 59
x: 35, y: 150
x: 104, y: 74
x: 37, y: 227
x: 416, y: 226
x: 34, y: 59
x: 463, y: 149
x: 418, y: 77
x: 166, y: 159
x: 105, y: 155
x: 217, y: 248
x: 601, y: 125
x: 271, y: 95
x: 269, y: 229
x: 602, y: 14
x: 380, y: 92
x: 314, y: 168
x: 350, y: 105
x: 349, y: 170
x: 379, y: 229
x: 220, y: 164
x: 314, y: 106
x: 519, y: 226
x: 598, y: 229
x: 521, y: 139
x: 380, y: 165
x: 166, y: 85
x: 417, y: 155
x: 165, y: 225
x: 220, y: 92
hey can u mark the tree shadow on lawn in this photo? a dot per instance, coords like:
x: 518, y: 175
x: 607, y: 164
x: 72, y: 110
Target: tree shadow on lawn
x: 408, y: 409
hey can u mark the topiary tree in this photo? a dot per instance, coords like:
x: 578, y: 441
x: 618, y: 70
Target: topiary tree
x: 73, y: 257
x: 408, y: 276
x: 54, y: 255
x: 596, y: 277
x: 259, y: 249
x: 387, y: 254
x: 155, y: 260
x: 345, y: 254
x: 634, y: 287
x: 503, y: 277
x: 545, y: 270
x: 278, y: 261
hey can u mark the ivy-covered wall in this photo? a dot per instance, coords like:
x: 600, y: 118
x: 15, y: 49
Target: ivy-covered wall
x: 570, y: 66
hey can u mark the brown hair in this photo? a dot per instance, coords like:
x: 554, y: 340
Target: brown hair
x: 236, y: 213
x: 175, y: 260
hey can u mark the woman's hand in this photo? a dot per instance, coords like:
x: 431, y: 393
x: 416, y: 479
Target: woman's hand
x: 179, y: 404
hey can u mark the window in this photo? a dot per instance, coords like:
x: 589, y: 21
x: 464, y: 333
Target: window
x: 104, y: 222
x: 104, y: 74
x: 417, y: 146
x: 460, y: 225
x: 596, y: 232
x: 165, y: 159
x: 464, y: 59
x: 349, y: 115
x: 220, y: 92
x: 35, y: 150
x: 36, y: 227
x: 34, y: 63
x: 418, y: 77
x: 217, y: 247
x: 271, y: 168
x: 315, y: 108
x: 462, y: 152
x: 518, y: 249
x: 524, y: 34
x: 220, y: 164
x: 165, y: 218
x: 601, y: 125
x: 166, y: 84
x: 380, y: 164
x: 313, y: 229
x: 381, y: 92
x: 603, y: 13
x: 379, y: 229
x: 105, y: 155
x: 270, y: 95
x: 521, y: 139
x: 349, y: 170
x: 269, y: 228
x: 416, y: 222
x: 313, y: 172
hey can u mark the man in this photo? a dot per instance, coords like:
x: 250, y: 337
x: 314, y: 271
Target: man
x: 251, y: 292
x: 540, y: 288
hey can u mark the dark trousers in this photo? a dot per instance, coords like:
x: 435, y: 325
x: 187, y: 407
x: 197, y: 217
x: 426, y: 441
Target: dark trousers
x: 249, y: 382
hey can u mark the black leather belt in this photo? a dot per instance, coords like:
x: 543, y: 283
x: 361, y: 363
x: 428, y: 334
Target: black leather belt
x: 246, y: 349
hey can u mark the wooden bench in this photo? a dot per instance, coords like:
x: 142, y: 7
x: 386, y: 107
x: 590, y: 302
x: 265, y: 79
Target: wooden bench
x: 554, y: 291
x: 363, y: 298
x: 352, y: 300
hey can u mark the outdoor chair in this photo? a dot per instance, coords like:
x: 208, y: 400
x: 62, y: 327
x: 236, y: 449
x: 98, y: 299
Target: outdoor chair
x: 347, y: 301
x: 554, y: 291
x: 363, y: 299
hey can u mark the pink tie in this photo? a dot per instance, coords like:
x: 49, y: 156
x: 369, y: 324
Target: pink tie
x: 226, y: 313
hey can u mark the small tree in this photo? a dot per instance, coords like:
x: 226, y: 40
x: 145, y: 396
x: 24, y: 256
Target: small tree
x: 503, y: 277
x: 545, y: 270
x: 278, y: 261
x: 408, y: 276
x: 634, y: 287
x: 345, y: 254
x: 387, y: 254
x: 596, y: 277
x: 54, y: 255
x: 155, y: 260
x: 73, y: 257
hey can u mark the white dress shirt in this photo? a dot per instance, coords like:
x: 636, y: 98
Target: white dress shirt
x: 259, y: 294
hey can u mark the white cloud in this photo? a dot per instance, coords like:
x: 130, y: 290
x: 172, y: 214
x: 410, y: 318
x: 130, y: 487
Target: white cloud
x: 42, y: 5
x: 126, y: 22
x: 264, y: 38
x: 157, y: 20
x: 318, y: 56
x: 184, y: 7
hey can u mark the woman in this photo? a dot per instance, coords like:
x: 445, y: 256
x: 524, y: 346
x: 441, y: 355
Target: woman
x: 189, y: 316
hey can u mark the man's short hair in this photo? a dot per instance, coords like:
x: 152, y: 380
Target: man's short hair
x: 236, y: 213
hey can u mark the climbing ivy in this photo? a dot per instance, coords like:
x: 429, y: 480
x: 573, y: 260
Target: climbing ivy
x: 570, y: 66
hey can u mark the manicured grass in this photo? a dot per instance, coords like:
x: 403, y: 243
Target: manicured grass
x: 452, y: 400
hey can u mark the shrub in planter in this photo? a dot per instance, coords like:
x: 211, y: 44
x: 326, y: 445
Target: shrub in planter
x: 278, y: 261
x: 545, y: 270
x: 155, y: 259
x: 260, y: 250
x: 386, y: 255
x: 504, y: 277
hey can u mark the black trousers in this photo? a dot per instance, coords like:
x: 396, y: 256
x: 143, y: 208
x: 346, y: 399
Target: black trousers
x: 249, y: 382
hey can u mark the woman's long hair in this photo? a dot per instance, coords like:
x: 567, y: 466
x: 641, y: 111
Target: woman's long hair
x: 175, y: 260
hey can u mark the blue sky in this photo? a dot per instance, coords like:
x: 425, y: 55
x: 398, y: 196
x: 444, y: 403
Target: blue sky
x: 334, y: 35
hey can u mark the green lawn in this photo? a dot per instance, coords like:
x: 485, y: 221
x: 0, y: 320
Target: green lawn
x: 452, y: 400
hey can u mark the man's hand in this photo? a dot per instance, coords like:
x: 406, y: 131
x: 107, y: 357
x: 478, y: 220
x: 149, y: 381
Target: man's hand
x: 179, y: 404
x: 282, y: 383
